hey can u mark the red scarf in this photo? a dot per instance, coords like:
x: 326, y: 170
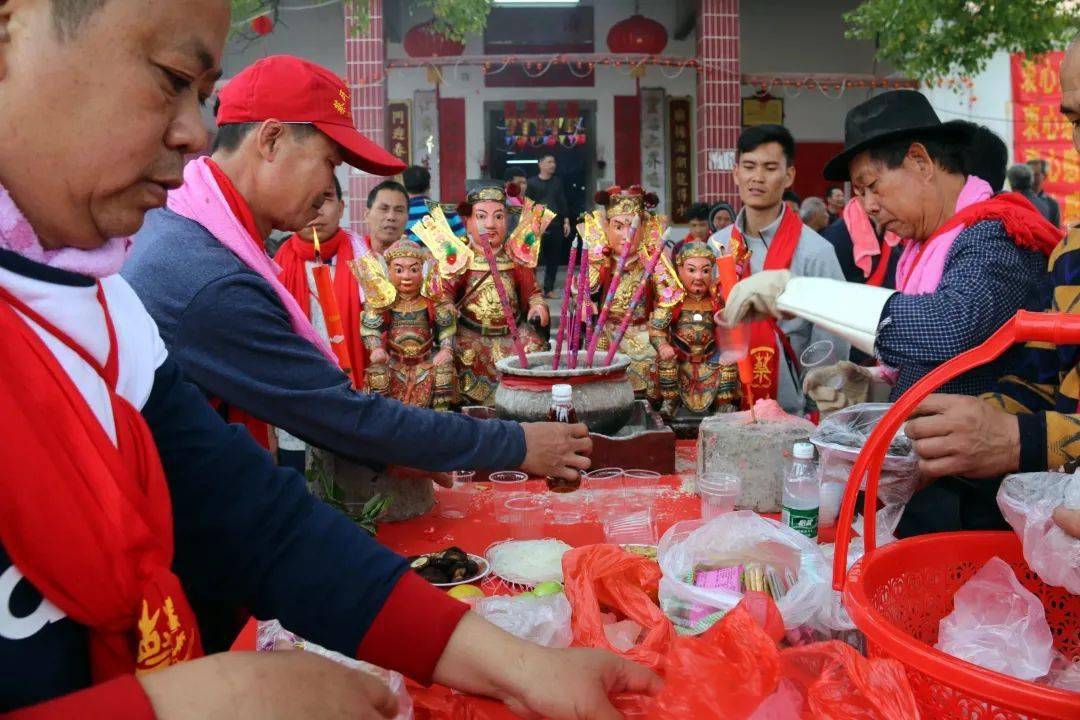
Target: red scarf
x: 764, y: 349
x: 89, y: 523
x: 242, y: 211
x: 1023, y: 223
x: 292, y: 255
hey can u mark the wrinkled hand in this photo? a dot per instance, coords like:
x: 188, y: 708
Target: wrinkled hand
x: 755, y: 297
x: 556, y: 449
x: 666, y: 352
x: 266, y: 686
x: 574, y: 684
x: 1068, y: 520
x: 960, y: 435
x: 837, y: 386
x: 442, y: 357
x: 378, y: 357
x: 540, y: 310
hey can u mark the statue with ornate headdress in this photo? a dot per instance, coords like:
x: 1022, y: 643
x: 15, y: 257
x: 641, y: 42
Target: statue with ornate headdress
x: 484, y: 335
x: 407, y: 329
x: 626, y: 232
x: 691, y: 384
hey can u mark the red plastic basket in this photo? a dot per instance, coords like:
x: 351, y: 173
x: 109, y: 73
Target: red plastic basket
x: 898, y: 594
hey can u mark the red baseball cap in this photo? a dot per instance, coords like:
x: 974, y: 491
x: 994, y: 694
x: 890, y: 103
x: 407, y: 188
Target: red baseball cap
x: 292, y: 90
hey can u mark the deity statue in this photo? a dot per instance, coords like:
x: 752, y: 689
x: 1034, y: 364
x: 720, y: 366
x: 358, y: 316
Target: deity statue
x: 407, y: 330
x: 484, y: 335
x: 626, y: 224
x: 691, y: 383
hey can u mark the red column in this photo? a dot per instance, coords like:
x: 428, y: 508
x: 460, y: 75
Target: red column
x: 628, y: 140
x: 452, y: 149
x: 718, y: 104
x: 365, y: 57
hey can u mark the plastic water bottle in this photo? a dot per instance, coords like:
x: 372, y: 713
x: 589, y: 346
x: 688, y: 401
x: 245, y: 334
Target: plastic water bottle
x: 801, y: 492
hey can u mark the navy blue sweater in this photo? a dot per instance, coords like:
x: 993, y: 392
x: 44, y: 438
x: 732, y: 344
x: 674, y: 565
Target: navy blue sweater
x: 230, y: 333
x: 247, y: 535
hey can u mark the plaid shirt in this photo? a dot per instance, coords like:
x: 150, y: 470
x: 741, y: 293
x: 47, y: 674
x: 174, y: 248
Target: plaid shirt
x: 986, y: 279
x: 1045, y: 388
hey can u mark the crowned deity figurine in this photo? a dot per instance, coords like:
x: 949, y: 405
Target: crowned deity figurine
x: 626, y: 232
x: 484, y: 335
x: 691, y: 383
x: 407, y: 329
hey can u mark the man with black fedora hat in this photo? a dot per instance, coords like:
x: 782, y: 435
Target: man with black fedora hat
x: 970, y: 259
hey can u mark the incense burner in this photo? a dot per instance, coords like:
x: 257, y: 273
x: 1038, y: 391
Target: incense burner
x: 603, y: 396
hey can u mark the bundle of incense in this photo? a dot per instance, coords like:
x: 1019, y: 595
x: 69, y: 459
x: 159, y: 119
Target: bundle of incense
x: 504, y: 300
x: 324, y: 289
x: 639, y: 293
x: 565, y: 311
x: 613, y: 286
x: 725, y: 271
x: 582, y: 304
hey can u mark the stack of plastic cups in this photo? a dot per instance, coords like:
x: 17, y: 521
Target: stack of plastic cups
x: 526, y: 516
x: 719, y: 493
x: 605, y: 487
x: 505, y: 485
x: 631, y: 528
x: 641, y: 488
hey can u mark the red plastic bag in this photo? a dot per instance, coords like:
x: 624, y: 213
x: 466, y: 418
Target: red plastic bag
x: 840, y: 684
x: 606, y: 578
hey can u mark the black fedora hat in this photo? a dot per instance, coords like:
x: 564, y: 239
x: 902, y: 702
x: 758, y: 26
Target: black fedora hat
x: 891, y: 116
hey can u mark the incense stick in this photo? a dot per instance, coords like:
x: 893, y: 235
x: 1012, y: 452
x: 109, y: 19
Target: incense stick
x: 613, y: 287
x: 504, y: 300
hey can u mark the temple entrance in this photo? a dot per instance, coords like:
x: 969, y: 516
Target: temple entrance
x: 565, y: 128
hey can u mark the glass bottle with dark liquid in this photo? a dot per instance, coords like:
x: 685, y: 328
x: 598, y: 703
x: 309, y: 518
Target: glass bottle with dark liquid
x: 562, y: 410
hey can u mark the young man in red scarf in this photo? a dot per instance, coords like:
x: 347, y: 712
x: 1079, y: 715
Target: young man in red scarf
x: 296, y: 258
x: 238, y: 332
x: 123, y: 497
x: 768, y: 235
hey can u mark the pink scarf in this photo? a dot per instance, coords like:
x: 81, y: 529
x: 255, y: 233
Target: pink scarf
x: 200, y: 199
x: 926, y: 277
x: 864, y: 240
x: 17, y: 236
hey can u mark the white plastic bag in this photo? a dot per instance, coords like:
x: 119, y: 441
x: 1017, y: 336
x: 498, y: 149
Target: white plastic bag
x: 735, y: 538
x: 271, y: 636
x: 545, y: 621
x: 998, y: 624
x: 1027, y: 501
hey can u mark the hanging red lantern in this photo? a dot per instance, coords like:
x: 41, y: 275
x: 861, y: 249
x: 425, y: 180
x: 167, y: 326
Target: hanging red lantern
x: 423, y: 41
x: 637, y: 34
x: 263, y: 24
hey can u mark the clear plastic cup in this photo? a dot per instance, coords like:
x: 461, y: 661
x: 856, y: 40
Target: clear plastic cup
x: 830, y: 497
x: 635, y: 528
x: 567, y: 508
x: 454, y: 501
x: 732, y: 343
x: 605, y: 479
x: 506, y: 484
x: 526, y: 516
x: 719, y: 493
x: 641, y: 480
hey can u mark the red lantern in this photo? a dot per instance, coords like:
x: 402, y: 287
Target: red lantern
x: 637, y: 34
x: 423, y: 41
x: 263, y: 24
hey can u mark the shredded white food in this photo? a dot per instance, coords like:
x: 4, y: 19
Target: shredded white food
x: 528, y: 562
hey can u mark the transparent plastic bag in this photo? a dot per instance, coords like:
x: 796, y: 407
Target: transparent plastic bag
x: 737, y: 538
x: 271, y: 636
x: 839, y: 439
x: 1028, y: 501
x: 998, y: 624
x: 545, y: 620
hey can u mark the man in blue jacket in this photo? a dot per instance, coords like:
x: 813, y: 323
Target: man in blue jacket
x: 222, y: 313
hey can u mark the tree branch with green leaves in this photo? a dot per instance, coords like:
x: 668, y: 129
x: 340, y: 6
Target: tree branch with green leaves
x: 932, y: 39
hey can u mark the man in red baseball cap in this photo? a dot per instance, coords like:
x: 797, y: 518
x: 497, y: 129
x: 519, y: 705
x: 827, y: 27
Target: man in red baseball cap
x: 200, y: 269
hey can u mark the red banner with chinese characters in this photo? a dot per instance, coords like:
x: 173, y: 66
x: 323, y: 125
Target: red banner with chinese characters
x: 681, y: 192
x: 399, y: 129
x: 1041, y: 131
